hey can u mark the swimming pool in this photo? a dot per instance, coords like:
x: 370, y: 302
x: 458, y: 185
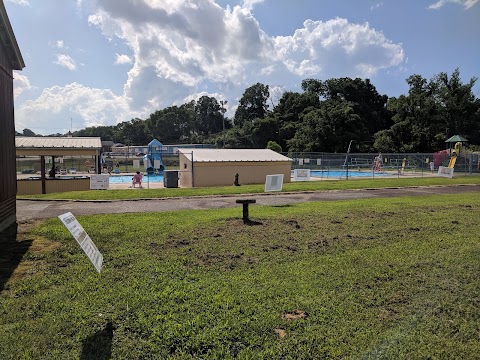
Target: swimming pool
x: 343, y: 174
x: 127, y: 179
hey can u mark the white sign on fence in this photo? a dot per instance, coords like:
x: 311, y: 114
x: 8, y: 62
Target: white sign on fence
x: 87, y: 245
x: 136, y: 163
x: 274, y: 182
x: 445, y: 171
x: 99, y: 182
x: 301, y: 174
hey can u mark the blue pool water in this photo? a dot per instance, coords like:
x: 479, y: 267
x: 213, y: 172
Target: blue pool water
x: 127, y: 179
x: 342, y: 174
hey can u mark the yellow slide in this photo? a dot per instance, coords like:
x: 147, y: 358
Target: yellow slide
x: 451, y: 163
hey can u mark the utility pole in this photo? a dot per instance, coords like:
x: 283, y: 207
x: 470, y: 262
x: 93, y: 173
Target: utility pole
x: 223, y: 102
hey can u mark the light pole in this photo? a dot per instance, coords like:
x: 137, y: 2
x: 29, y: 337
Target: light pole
x: 223, y: 102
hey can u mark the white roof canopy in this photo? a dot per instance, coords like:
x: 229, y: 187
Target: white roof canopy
x: 233, y: 155
x: 47, y: 146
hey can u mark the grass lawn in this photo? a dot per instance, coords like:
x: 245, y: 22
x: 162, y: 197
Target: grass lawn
x: 364, y: 279
x: 248, y: 189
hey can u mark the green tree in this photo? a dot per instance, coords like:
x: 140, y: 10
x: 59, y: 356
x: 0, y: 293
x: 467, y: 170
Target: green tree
x: 460, y: 109
x: 104, y: 132
x: 289, y: 111
x: 208, y: 116
x: 272, y: 145
x: 134, y: 131
x: 329, y: 128
x: 362, y: 96
x: 252, y: 105
x: 28, y: 132
x: 431, y: 112
x: 172, y: 125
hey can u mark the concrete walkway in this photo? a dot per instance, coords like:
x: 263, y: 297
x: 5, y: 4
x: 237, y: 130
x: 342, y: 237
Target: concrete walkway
x: 28, y: 210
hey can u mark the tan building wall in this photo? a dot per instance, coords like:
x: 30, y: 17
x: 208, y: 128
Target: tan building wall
x: 223, y: 173
x: 32, y: 187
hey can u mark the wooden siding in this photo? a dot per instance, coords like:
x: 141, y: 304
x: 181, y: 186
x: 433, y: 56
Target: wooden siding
x: 8, y: 174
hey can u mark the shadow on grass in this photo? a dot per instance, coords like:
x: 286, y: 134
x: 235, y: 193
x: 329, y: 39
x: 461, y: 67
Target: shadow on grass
x: 99, y: 345
x: 11, y: 254
x: 252, y: 222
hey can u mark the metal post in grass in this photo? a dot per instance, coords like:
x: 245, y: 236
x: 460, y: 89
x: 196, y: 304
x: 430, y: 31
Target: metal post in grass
x: 245, y: 203
x: 346, y: 158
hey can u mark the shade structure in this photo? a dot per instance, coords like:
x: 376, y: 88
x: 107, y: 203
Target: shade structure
x: 456, y: 138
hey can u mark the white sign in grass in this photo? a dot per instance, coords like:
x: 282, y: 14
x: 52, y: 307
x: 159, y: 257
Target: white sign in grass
x: 301, y: 174
x: 274, y: 182
x: 99, y: 182
x: 87, y: 245
x: 445, y: 172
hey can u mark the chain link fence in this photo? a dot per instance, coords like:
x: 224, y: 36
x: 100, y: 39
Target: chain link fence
x: 321, y: 165
x: 368, y: 165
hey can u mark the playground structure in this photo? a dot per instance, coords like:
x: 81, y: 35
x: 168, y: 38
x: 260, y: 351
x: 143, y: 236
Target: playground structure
x: 153, y: 160
x: 456, y: 149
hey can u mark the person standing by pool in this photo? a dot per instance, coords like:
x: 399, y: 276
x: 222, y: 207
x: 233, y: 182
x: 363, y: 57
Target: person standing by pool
x: 378, y: 162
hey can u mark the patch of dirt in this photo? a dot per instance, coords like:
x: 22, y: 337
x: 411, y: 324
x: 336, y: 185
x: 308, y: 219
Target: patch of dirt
x: 177, y: 243
x: 295, y: 315
x: 28, y: 268
x: 387, y: 315
x: 319, y: 244
x: 222, y: 261
x: 43, y: 246
x: 16, y: 244
x: 293, y: 223
x: 281, y: 333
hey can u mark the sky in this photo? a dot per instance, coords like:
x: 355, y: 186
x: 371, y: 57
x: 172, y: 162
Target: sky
x: 102, y: 62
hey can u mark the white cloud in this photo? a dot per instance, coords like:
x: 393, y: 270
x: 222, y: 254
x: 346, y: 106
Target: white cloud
x: 20, y: 2
x: 337, y: 48
x: 186, y: 44
x: 182, y: 48
x: 376, y: 6
x: 57, y: 44
x: 66, y: 61
x: 182, y: 45
x: 21, y: 83
x: 250, y: 4
x: 122, y: 59
x: 467, y: 4
x: 56, y: 105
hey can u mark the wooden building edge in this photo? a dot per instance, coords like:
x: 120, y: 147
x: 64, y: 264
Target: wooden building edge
x: 10, y: 59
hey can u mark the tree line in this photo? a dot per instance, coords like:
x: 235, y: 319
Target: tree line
x: 324, y: 117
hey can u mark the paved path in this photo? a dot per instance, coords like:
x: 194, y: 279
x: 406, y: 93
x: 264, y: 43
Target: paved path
x: 42, y: 209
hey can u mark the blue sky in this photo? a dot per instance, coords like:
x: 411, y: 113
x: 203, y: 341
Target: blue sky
x: 101, y: 62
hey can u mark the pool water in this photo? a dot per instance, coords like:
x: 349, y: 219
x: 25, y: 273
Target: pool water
x: 339, y: 174
x: 127, y: 179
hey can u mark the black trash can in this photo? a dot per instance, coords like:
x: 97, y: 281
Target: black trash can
x: 170, y: 178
